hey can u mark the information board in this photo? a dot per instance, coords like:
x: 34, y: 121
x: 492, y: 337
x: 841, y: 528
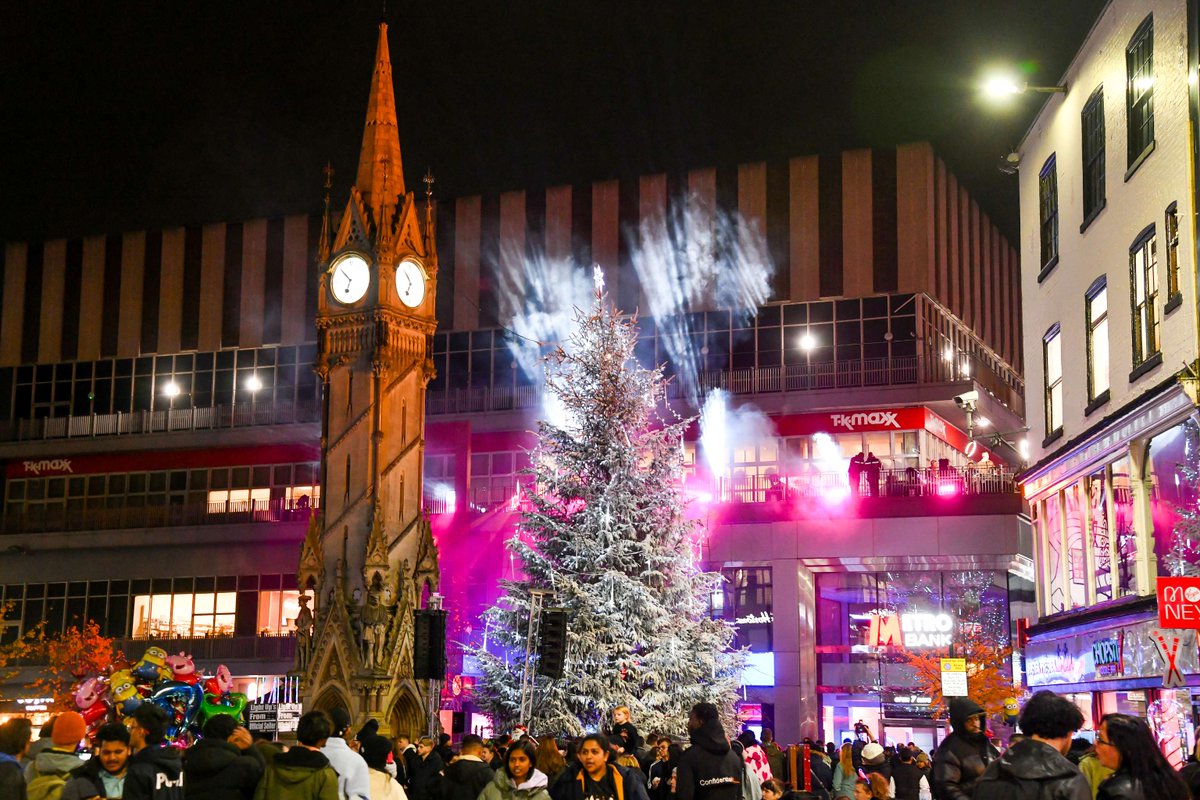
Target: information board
x: 954, y: 677
x: 263, y: 718
x: 289, y: 716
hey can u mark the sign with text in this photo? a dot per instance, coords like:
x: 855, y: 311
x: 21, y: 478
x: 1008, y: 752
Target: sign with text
x: 263, y: 718
x: 289, y: 716
x: 1179, y: 602
x: 954, y: 677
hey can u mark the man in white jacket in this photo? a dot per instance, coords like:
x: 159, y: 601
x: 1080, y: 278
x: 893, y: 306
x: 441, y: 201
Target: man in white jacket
x: 354, y: 782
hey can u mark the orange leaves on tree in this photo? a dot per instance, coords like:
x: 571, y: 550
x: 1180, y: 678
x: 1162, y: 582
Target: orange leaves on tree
x: 989, y: 674
x: 70, y: 656
x: 13, y: 653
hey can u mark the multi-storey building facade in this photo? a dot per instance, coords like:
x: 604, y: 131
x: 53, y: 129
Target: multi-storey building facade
x: 162, y: 435
x: 1108, y: 254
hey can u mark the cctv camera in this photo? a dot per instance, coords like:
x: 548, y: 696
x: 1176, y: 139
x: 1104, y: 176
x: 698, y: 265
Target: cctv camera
x: 967, y: 400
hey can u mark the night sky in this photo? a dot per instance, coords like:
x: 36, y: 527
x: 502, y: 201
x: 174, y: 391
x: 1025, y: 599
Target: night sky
x: 127, y: 116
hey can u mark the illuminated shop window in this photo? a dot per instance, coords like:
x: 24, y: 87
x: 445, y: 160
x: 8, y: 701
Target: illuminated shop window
x: 184, y: 615
x: 277, y: 611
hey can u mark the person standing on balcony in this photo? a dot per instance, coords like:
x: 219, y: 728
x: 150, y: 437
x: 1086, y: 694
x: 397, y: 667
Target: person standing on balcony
x: 857, y: 465
x: 873, y: 466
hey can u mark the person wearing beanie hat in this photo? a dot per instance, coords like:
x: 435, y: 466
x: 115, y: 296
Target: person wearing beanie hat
x: 354, y: 782
x: 224, y: 764
x: 375, y: 751
x: 45, y: 776
x: 874, y: 761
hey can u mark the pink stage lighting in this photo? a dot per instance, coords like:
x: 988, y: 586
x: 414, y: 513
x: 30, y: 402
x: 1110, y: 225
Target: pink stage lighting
x: 947, y: 489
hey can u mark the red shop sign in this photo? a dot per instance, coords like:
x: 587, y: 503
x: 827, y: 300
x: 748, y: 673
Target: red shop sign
x: 1179, y: 602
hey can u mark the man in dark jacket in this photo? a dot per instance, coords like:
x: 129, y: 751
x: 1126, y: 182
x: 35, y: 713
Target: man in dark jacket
x: 225, y: 764
x: 303, y: 772
x: 963, y: 755
x: 905, y: 775
x: 14, y: 744
x: 155, y: 771
x: 1036, y: 767
x: 426, y: 772
x: 708, y: 769
x: 103, y: 775
x: 466, y: 777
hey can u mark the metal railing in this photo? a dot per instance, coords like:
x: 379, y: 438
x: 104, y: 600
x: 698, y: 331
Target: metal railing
x: 893, y: 483
x: 266, y: 647
x: 56, y: 518
x: 161, y: 421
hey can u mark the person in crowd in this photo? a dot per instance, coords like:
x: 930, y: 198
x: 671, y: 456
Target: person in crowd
x: 658, y: 776
x: 875, y: 762
x: 406, y: 760
x: 776, y: 790
x: 265, y: 745
x: 625, y: 736
x: 46, y: 775
x: 444, y: 751
x: 303, y: 772
x: 751, y: 783
x: 44, y: 741
x: 709, y: 769
x: 594, y: 778
x: 376, y: 750
x: 353, y: 781
x: 426, y: 773
x: 844, y: 773
x: 1095, y: 772
x: 1037, y: 766
x: 754, y: 756
x: 854, y: 473
x: 468, y: 774
x: 821, y: 768
x: 907, y: 780
x: 874, y: 787
x: 1079, y: 748
x: 103, y: 775
x: 831, y: 750
x: 1125, y: 745
x: 155, y: 771
x: 14, y: 744
x: 963, y: 755
x: 548, y: 760
x: 872, y: 466
x: 224, y: 765
x: 649, y: 752
x: 519, y: 778
x: 633, y: 765
x: 775, y: 755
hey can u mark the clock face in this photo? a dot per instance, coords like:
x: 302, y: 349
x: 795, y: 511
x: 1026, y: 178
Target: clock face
x: 349, y: 278
x: 410, y: 283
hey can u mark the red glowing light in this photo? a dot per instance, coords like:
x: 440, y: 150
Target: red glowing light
x: 947, y: 489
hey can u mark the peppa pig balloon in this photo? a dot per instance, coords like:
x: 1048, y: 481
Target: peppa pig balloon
x: 152, y: 666
x: 89, y: 699
x: 183, y: 669
x: 220, y: 683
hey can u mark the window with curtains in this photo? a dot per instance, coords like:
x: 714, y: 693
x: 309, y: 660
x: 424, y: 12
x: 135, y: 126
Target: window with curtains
x: 1143, y: 296
x: 1048, y: 212
x: 1052, y: 362
x: 1092, y: 124
x: 1096, y: 311
x: 1139, y: 94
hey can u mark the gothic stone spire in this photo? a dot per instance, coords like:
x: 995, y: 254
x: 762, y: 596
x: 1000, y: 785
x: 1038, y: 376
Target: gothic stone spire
x: 380, y: 172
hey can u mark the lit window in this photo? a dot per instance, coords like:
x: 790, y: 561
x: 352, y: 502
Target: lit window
x: 302, y: 496
x: 277, y: 611
x: 1052, y: 357
x: 184, y: 615
x: 1143, y: 290
x: 1139, y: 94
x: 221, y: 501
x: 1097, y: 339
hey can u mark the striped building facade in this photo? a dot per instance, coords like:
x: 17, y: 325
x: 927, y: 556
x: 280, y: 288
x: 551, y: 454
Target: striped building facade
x: 856, y: 223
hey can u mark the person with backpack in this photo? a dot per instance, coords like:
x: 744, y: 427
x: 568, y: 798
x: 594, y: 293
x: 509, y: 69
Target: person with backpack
x: 1036, y: 768
x: 103, y: 775
x: 47, y: 775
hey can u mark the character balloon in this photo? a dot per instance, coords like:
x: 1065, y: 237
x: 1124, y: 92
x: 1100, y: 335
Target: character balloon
x: 124, y: 692
x: 183, y: 669
x: 181, y: 701
x: 153, y: 666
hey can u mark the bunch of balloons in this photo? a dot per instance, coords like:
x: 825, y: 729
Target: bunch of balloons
x: 169, y: 682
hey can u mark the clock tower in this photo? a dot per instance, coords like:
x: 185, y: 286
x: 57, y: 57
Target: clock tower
x: 368, y: 557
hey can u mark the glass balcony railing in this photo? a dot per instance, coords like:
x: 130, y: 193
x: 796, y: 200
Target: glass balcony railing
x: 58, y: 518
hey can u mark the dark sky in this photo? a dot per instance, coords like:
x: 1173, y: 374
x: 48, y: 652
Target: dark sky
x: 126, y: 116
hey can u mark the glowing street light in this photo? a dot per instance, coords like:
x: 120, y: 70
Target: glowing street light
x: 808, y: 342
x: 253, y: 384
x: 999, y: 86
x: 170, y: 389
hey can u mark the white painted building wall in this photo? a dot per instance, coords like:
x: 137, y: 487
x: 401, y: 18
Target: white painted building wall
x: 1132, y: 203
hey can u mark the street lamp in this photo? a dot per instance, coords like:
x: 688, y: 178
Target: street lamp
x: 1002, y: 86
x: 253, y: 384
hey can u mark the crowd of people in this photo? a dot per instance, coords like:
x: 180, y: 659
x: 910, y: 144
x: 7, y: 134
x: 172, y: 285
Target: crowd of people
x: 330, y: 762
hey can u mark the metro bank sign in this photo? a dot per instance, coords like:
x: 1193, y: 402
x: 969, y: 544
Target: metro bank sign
x: 1179, y: 602
x: 912, y: 630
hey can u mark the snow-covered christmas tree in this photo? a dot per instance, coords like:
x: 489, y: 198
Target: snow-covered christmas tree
x: 605, y: 530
